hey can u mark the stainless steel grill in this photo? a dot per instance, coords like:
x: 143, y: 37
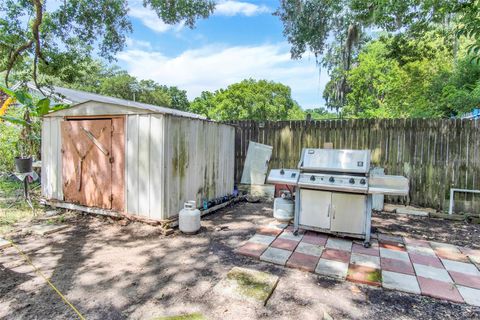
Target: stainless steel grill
x: 334, y: 191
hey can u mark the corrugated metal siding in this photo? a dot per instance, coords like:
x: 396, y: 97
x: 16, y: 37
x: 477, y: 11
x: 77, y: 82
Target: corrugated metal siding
x: 143, y: 165
x: 52, y: 187
x: 199, y: 161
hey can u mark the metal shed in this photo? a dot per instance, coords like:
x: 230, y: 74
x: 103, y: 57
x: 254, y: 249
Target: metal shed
x: 124, y: 156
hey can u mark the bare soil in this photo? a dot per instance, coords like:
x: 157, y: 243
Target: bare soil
x: 109, y: 271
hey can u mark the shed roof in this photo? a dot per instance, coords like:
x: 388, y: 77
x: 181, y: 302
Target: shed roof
x: 78, y: 97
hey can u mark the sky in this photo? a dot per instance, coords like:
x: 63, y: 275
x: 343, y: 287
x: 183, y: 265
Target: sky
x: 241, y: 40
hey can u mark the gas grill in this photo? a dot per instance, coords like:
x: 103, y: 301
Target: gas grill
x: 334, y: 191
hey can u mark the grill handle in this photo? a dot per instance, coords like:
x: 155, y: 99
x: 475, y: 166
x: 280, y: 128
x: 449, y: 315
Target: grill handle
x: 333, y: 210
x: 329, y: 208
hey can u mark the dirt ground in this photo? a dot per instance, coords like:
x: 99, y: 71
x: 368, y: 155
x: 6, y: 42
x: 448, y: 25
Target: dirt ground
x: 133, y: 272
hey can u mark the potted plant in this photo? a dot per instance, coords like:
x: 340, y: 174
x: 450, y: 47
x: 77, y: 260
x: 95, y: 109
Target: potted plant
x: 28, y: 109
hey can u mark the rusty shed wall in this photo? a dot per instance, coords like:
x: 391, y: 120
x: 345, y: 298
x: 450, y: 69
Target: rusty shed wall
x: 199, y: 162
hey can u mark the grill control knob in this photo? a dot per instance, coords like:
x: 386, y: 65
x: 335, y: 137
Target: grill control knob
x: 362, y: 181
x: 332, y: 179
x: 312, y: 178
x: 352, y: 181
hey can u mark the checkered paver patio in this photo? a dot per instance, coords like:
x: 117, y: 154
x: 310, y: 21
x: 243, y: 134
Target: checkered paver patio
x: 434, y: 269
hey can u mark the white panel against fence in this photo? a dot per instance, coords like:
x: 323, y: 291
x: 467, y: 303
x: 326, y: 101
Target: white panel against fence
x: 156, y: 173
x: 131, y: 164
x: 143, y: 193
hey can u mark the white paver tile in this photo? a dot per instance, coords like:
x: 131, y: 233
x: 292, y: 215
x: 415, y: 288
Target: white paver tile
x: 470, y: 295
x: 421, y: 250
x: 275, y: 255
x: 462, y: 267
x: 365, y: 260
x: 310, y: 249
x: 331, y: 268
x: 263, y: 239
x: 400, y: 281
x: 394, y: 254
x: 290, y: 236
x: 339, y: 244
x: 432, y: 273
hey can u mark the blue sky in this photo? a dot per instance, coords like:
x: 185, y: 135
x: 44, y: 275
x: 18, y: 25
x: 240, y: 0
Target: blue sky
x: 240, y: 40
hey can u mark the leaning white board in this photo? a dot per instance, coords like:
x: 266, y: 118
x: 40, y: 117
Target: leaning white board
x: 256, y: 163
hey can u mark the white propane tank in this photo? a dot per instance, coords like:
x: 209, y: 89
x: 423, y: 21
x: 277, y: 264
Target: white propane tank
x: 283, y: 209
x: 189, y: 218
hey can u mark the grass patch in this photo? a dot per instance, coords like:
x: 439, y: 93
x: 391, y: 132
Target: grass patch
x: 251, y: 283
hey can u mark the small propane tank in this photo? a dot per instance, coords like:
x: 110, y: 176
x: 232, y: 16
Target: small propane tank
x: 189, y: 218
x: 283, y: 209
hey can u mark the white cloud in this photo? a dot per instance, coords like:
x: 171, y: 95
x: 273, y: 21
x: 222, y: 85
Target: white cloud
x: 139, y: 44
x: 233, y: 8
x: 217, y: 66
x: 150, y: 19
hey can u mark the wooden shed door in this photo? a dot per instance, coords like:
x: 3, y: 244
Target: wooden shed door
x: 87, y: 162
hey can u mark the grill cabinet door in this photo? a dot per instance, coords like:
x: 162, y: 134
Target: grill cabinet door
x: 315, y: 208
x: 348, y: 212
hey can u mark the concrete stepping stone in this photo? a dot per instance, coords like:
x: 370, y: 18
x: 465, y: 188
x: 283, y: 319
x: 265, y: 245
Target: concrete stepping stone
x: 365, y: 275
x: 386, y: 238
x: 46, y: 229
x: 448, y: 251
x: 247, y: 285
x: 252, y: 249
x: 393, y: 246
x: 336, y: 255
x: 339, y: 244
x: 426, y: 251
x: 431, y: 261
x: 416, y: 242
x: 439, y: 289
x: 372, y: 251
x: 331, y: 268
x: 432, y: 273
x: 315, y: 238
x: 310, y: 249
x: 394, y: 254
x: 275, y: 255
x: 269, y: 231
x: 286, y: 244
x: 290, y: 236
x: 462, y: 267
x: 4, y: 243
x: 365, y: 260
x: 398, y: 266
x: 466, y: 280
x: 400, y: 281
x: 303, y: 261
x: 471, y: 296
x: 262, y: 239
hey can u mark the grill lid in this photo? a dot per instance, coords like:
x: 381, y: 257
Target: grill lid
x: 335, y: 160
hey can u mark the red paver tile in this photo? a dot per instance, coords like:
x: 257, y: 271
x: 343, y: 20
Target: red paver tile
x: 252, y: 249
x: 372, y: 251
x: 396, y: 265
x: 470, y: 252
x: 315, y: 238
x: 451, y: 255
x: 337, y: 255
x: 416, y: 242
x: 365, y: 275
x: 303, y: 261
x: 285, y: 244
x: 426, y: 260
x: 439, y: 289
x: 466, y: 280
x: 269, y: 231
x: 393, y: 246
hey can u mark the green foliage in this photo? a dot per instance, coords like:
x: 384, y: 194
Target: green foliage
x: 9, y: 135
x: 321, y: 114
x: 249, y: 99
x: 54, y: 39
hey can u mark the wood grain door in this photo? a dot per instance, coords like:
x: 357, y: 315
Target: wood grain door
x: 87, y: 162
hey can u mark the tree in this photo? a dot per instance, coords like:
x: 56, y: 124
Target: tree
x: 53, y: 41
x: 335, y: 31
x: 249, y: 99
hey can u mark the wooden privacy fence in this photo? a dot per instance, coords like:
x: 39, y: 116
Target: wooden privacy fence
x: 434, y: 154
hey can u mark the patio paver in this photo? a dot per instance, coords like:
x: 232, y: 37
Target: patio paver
x: 462, y: 267
x: 466, y: 280
x: 372, y: 251
x: 400, y: 281
x: 339, y: 244
x: 269, y: 231
x: 448, y: 251
x: 432, y: 273
x: 394, y: 254
x: 310, y: 249
x: 337, y: 255
x: 471, y: 296
x: 303, y: 261
x: 439, y: 289
x: 365, y: 260
x: 431, y: 261
x: 252, y: 249
x: 365, y: 275
x: 395, y: 265
x: 331, y: 268
x: 315, y: 238
x: 276, y: 256
x: 263, y: 239
x: 426, y: 251
x: 286, y: 234
x: 285, y: 244
x: 393, y: 246
x: 416, y: 242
